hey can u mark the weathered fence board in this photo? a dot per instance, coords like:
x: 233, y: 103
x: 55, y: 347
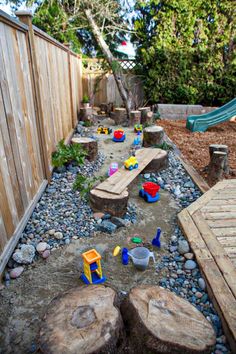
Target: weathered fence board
x: 40, y: 95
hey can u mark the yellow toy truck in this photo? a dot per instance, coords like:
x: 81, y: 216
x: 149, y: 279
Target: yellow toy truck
x: 131, y: 163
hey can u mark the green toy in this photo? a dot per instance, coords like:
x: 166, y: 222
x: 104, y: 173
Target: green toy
x: 136, y: 240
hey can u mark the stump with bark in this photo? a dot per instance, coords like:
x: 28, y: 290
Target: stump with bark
x: 146, y: 115
x: 223, y: 148
x: 157, y: 164
x: 161, y: 322
x: 119, y: 116
x: 83, y: 320
x: 216, y: 167
x: 114, y: 204
x: 153, y: 136
x: 90, y: 146
x: 86, y: 114
x: 135, y: 118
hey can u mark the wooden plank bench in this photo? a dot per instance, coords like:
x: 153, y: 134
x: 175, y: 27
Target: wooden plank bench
x: 112, y: 195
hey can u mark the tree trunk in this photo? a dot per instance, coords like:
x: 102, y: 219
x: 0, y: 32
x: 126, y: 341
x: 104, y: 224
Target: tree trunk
x: 135, y: 118
x: 161, y: 322
x: 153, y: 136
x: 83, y: 320
x: 114, y: 204
x: 223, y: 148
x: 216, y: 167
x: 90, y: 146
x: 123, y: 90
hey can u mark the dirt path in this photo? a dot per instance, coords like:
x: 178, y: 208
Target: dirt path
x: 24, y: 302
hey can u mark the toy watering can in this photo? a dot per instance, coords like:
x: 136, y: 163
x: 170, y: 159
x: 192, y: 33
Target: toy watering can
x: 140, y: 257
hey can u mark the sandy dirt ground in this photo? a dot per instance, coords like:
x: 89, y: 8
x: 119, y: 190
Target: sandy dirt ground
x: 195, y: 146
x: 24, y: 303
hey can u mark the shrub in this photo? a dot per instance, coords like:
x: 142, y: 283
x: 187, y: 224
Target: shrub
x: 68, y: 153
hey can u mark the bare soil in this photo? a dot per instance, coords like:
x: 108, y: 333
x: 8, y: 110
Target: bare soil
x: 24, y: 303
x: 195, y: 146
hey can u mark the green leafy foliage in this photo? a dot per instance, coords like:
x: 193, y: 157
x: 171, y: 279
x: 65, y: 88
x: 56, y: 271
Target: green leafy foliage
x: 85, y: 99
x: 186, y: 50
x: 84, y: 184
x: 68, y: 153
x: 164, y: 146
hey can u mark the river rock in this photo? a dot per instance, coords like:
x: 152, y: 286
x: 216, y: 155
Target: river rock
x: 190, y: 265
x: 183, y: 247
x: 120, y: 222
x: 201, y: 283
x: 158, y: 321
x: 46, y: 254
x: 16, y: 272
x: 41, y: 247
x: 25, y: 255
x: 58, y: 235
x: 107, y: 226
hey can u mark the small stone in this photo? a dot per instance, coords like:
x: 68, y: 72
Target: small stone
x: 98, y: 215
x: 46, y: 254
x: 173, y: 249
x: 1, y: 286
x: 16, y: 272
x: 189, y: 255
x: 51, y: 232
x: 58, y: 235
x: 75, y: 237
x: 183, y: 247
x: 190, y: 265
x: 106, y: 216
x: 201, y: 283
x: 41, y: 247
x: 120, y: 222
x: 107, y: 226
x: 147, y: 175
x: 198, y: 294
x: 25, y: 255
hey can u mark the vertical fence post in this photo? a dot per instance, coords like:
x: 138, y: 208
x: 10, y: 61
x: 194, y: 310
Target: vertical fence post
x: 26, y: 18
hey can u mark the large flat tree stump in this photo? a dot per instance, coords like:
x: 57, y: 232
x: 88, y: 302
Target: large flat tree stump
x: 114, y: 204
x: 161, y: 322
x: 119, y: 116
x: 153, y: 136
x: 89, y: 145
x: 84, y: 320
x: 157, y: 164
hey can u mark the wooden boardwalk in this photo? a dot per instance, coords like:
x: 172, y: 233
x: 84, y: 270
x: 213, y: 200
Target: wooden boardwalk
x: 210, y: 227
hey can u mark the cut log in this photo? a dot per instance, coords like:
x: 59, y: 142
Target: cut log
x: 223, y: 148
x: 135, y: 118
x: 86, y: 114
x: 147, y: 119
x: 153, y: 136
x: 90, y: 146
x: 161, y: 322
x: 216, y: 167
x: 119, y: 116
x: 157, y: 164
x: 114, y: 204
x: 83, y: 320
x: 144, y: 111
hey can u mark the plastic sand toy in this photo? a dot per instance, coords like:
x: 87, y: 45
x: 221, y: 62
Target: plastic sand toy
x: 131, y: 163
x: 119, y: 135
x: 92, y: 268
x: 149, y: 192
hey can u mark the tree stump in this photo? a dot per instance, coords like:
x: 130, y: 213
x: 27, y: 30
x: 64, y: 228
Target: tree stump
x: 216, y: 167
x: 161, y: 322
x: 157, y: 164
x: 114, y: 204
x: 119, y: 116
x: 223, y: 148
x: 135, y: 118
x: 153, y: 136
x: 86, y: 114
x: 90, y: 146
x: 83, y: 320
x: 144, y: 111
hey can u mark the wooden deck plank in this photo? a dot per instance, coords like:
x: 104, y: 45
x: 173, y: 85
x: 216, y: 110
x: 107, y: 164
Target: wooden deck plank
x: 227, y: 241
x: 218, y: 208
x: 119, y: 181
x: 222, y: 215
x: 220, y: 256
x: 222, y: 223
x: 221, y: 202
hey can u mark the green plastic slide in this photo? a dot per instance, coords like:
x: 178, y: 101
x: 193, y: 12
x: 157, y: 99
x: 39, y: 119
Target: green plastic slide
x: 201, y: 122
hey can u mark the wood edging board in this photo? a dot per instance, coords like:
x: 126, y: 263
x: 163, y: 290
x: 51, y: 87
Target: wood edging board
x: 116, y: 183
x: 10, y: 246
x: 218, y: 289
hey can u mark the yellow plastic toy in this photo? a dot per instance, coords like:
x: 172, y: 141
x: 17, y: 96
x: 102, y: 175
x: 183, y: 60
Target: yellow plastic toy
x: 116, y: 251
x: 92, y: 268
x: 131, y: 163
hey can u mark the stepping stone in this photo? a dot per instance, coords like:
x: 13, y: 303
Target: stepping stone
x: 161, y: 322
x: 83, y: 320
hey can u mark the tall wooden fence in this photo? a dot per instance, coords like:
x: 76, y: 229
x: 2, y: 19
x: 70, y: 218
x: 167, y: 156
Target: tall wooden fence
x: 40, y: 95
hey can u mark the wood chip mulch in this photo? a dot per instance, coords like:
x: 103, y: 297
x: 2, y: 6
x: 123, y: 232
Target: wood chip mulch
x: 195, y: 146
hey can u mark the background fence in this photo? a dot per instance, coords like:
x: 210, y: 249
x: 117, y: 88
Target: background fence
x: 100, y: 84
x: 40, y: 95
